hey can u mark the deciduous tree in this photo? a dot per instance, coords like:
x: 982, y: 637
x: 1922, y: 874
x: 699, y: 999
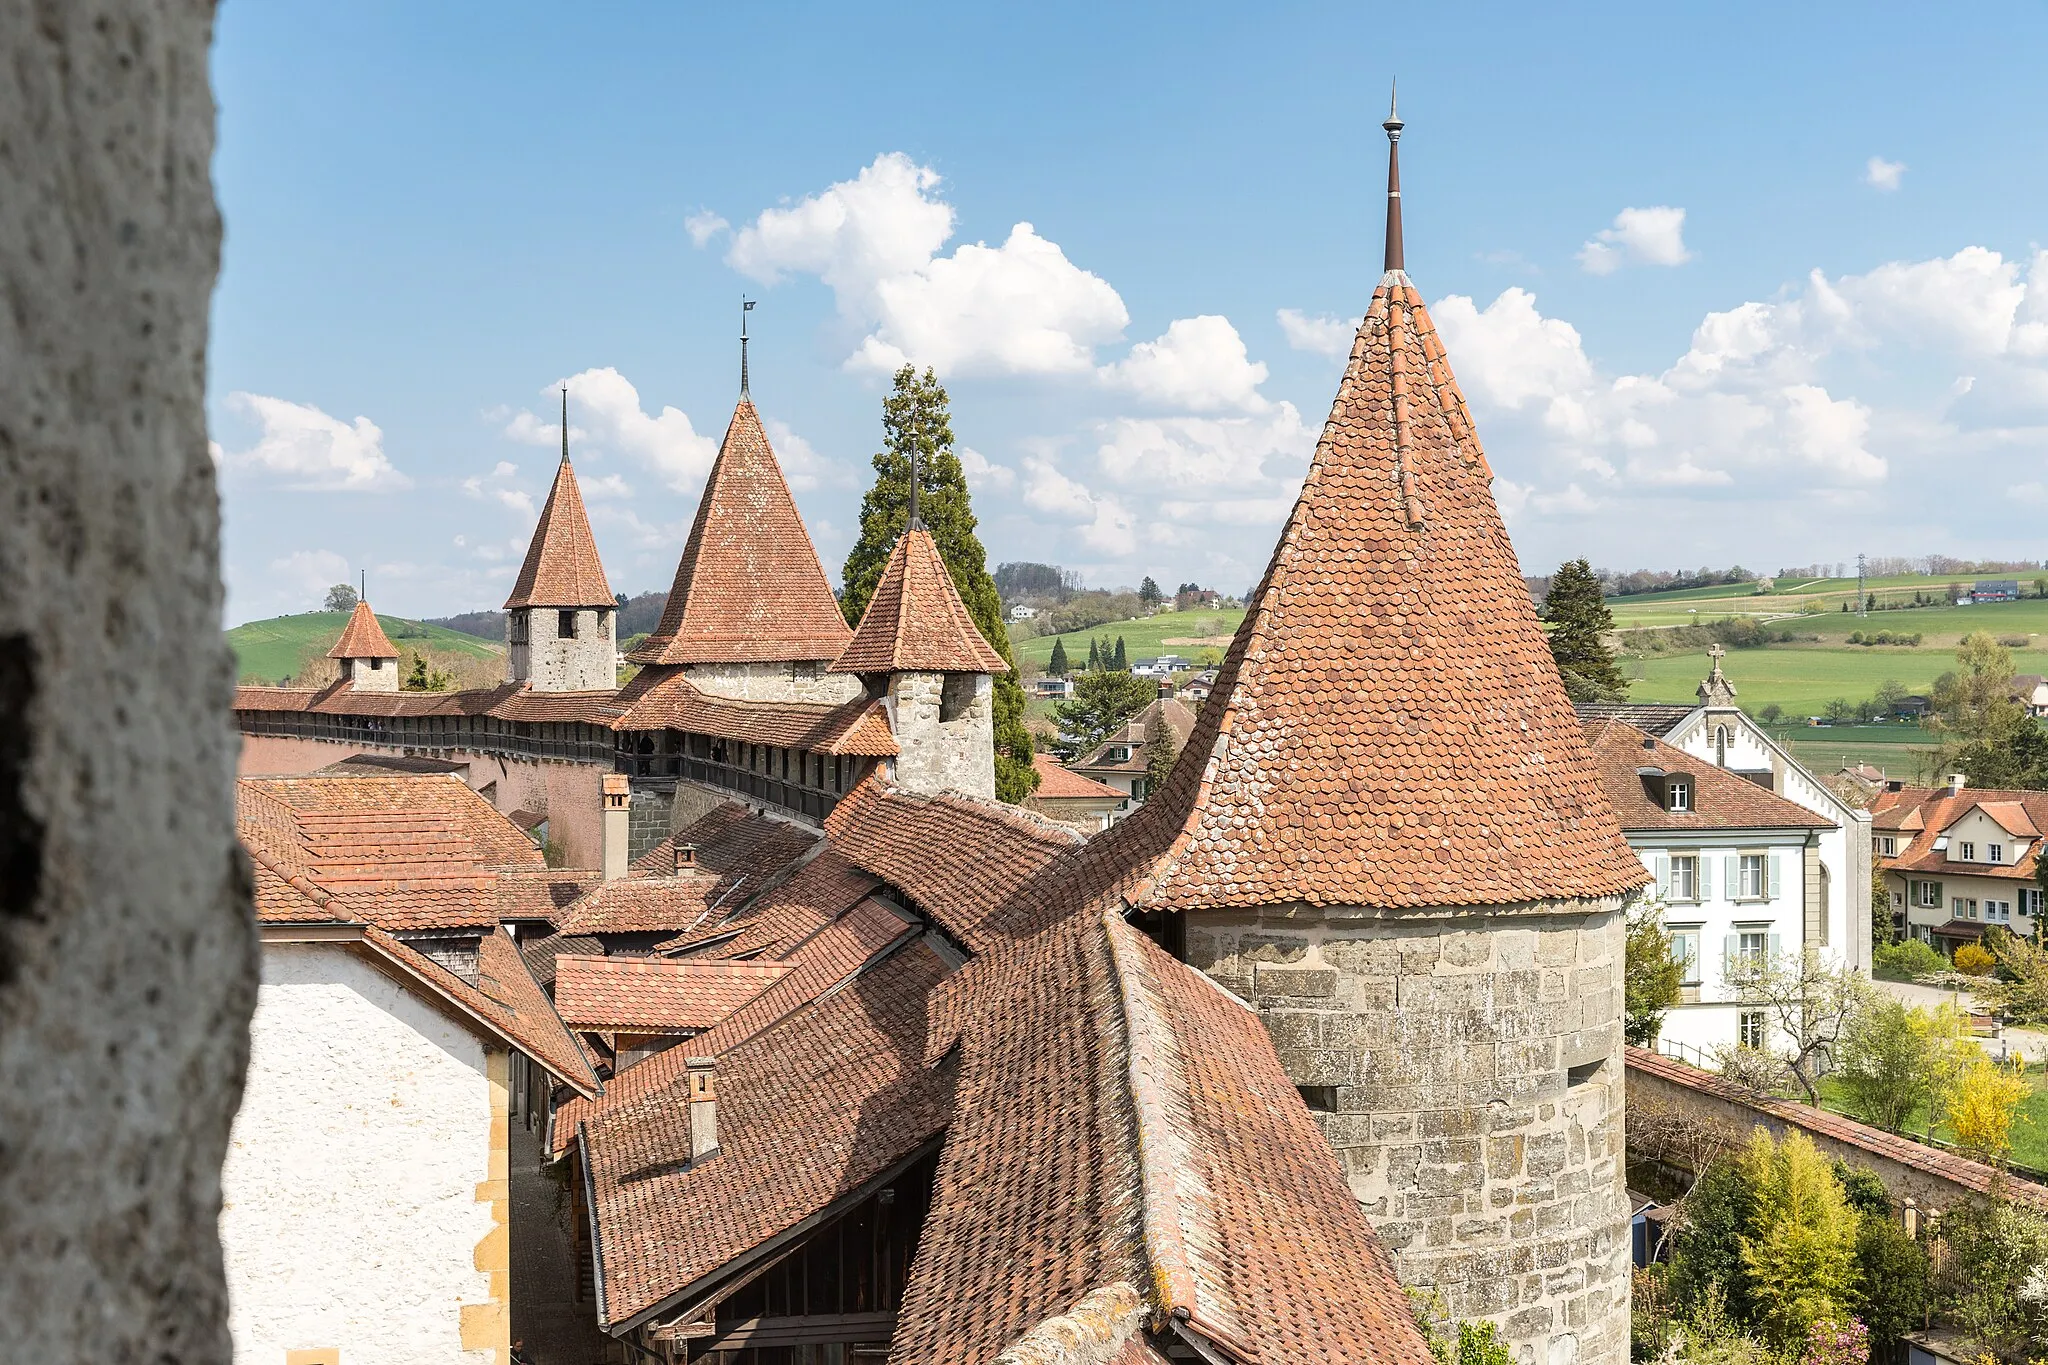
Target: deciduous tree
x: 1809, y: 1003
x: 341, y: 597
x: 1101, y: 703
x: 1885, y: 1063
x: 1987, y: 1098
x: 916, y: 416
x: 1651, y: 976
x: 1579, y: 618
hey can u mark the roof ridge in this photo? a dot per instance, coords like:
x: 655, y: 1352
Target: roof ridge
x: 562, y: 566
x: 363, y: 637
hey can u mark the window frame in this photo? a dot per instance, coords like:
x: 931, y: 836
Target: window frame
x: 1689, y: 863
x: 1745, y: 889
x: 1994, y: 853
x: 1966, y: 850
x: 566, y: 623
x: 1678, y: 794
x: 1753, y: 1029
x: 1688, y: 961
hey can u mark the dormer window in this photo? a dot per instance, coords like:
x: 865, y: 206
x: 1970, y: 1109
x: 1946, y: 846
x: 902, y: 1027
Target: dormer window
x: 1119, y: 753
x: 565, y: 626
x: 1966, y: 851
x: 1678, y: 794
x: 1994, y: 853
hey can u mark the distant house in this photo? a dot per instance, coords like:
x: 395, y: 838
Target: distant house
x: 1957, y: 859
x: 1196, y: 691
x: 1120, y: 760
x: 2031, y: 691
x: 1995, y: 590
x: 1912, y: 707
x: 1020, y: 612
x: 1050, y: 688
x: 1165, y: 666
x: 1078, y: 802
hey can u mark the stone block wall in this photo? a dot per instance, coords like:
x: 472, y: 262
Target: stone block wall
x: 808, y: 682
x: 584, y: 662
x: 1468, y: 1072
x: 942, y: 752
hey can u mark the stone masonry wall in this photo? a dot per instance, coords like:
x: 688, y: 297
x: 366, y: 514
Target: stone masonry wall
x: 1448, y: 1044
x: 586, y: 662
x: 775, y: 682
x: 127, y: 951
x: 937, y: 755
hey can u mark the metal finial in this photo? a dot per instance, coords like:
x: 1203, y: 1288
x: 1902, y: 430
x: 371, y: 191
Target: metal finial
x: 916, y: 477
x: 565, y: 424
x: 746, y: 307
x: 363, y: 591
x: 1393, y: 125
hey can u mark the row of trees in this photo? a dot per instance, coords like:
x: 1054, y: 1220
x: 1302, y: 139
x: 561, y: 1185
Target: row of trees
x: 1114, y: 658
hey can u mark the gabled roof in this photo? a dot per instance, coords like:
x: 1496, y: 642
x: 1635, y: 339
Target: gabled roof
x: 1652, y: 717
x: 916, y: 621
x: 656, y: 994
x: 642, y: 905
x: 362, y: 637
x: 1123, y: 1129
x: 1720, y: 799
x: 1056, y: 783
x: 507, y: 701
x: 1179, y: 717
x: 1926, y: 814
x: 1388, y: 728
x: 749, y: 586
x: 562, y: 568
x: 666, y: 699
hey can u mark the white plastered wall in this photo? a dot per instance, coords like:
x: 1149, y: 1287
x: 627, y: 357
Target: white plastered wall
x: 351, y: 1216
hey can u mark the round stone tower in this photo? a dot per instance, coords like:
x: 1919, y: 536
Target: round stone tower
x: 1386, y: 832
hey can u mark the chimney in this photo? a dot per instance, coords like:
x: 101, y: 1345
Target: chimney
x: 703, y: 1107
x: 617, y: 813
x: 686, y: 858
x: 1956, y: 783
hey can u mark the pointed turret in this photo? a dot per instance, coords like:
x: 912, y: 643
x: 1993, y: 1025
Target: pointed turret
x: 749, y: 588
x: 1388, y: 728
x: 916, y: 620
x: 368, y: 661
x: 562, y: 626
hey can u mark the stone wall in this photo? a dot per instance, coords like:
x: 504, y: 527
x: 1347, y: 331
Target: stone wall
x: 127, y: 959
x: 1681, y: 1115
x: 807, y: 682
x: 1467, y: 1068
x: 584, y: 662
x: 941, y: 752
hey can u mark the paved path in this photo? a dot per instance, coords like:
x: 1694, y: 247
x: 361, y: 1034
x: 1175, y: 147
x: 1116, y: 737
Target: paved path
x: 2029, y: 1043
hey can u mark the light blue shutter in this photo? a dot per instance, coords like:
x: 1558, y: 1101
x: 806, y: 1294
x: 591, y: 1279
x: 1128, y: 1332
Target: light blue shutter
x: 1661, y: 867
x: 1777, y: 945
x: 1774, y: 876
x: 1732, y: 887
x: 1706, y: 878
x: 1729, y: 947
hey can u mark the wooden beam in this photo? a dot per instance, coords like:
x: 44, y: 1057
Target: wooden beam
x: 813, y: 1329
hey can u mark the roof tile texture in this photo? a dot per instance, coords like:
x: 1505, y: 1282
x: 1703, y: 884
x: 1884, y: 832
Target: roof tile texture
x: 562, y: 568
x: 1719, y: 800
x: 656, y: 994
x: 362, y: 637
x: 1926, y: 813
x: 749, y: 585
x: 916, y: 622
x: 664, y: 698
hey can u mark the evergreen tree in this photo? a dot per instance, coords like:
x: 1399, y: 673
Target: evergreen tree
x: 1121, y: 663
x: 1578, y: 617
x: 1149, y: 593
x: 1058, y: 666
x: 1162, y: 747
x: 916, y: 415
x: 1094, y: 655
x: 1102, y: 703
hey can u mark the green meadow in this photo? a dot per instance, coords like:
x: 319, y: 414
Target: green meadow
x: 283, y: 645
x: 1143, y: 639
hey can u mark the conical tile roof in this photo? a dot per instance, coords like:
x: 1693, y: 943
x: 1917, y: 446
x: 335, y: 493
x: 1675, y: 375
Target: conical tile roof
x: 916, y: 621
x: 562, y: 568
x: 1388, y: 728
x: 362, y: 637
x: 749, y: 587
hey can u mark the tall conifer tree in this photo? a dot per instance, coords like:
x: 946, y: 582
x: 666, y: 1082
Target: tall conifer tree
x: 917, y: 414
x: 1058, y: 666
x: 1578, y: 617
x: 1121, y: 662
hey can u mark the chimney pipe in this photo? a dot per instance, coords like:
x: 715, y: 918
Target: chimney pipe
x: 1956, y: 782
x: 686, y: 858
x: 703, y: 1107
x: 617, y: 813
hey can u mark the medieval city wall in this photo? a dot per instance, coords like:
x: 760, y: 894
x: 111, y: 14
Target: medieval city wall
x: 570, y: 794
x: 808, y: 682
x: 937, y: 753
x: 360, y: 1096
x: 1472, y: 1062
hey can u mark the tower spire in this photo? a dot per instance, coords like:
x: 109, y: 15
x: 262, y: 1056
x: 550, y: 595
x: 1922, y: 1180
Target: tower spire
x: 565, y: 424
x: 916, y: 522
x: 1393, y: 125
x: 746, y: 307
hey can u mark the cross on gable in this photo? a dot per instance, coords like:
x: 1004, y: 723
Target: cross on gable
x: 1716, y: 653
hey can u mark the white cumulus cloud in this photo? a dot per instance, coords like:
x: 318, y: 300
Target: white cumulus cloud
x: 1884, y: 175
x: 703, y: 226
x: 1653, y: 236
x: 1323, y: 334
x: 607, y: 418
x: 304, y: 448
x: 1199, y: 364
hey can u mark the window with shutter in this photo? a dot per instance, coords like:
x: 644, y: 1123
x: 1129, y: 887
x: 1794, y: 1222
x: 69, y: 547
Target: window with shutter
x: 1660, y: 867
x: 1773, y: 891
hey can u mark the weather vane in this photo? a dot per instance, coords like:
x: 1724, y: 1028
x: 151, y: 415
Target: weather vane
x: 746, y: 307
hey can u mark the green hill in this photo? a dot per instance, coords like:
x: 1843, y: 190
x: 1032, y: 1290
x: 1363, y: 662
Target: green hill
x: 1144, y: 638
x: 282, y: 646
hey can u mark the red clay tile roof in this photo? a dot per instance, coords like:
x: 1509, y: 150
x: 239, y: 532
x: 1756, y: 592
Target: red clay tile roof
x: 665, y: 699
x: 562, y: 568
x: 782, y: 917
x: 916, y: 621
x: 807, y: 1112
x: 959, y: 860
x: 1057, y: 783
x: 642, y: 905
x: 1926, y: 813
x: 744, y: 848
x: 507, y: 701
x: 362, y: 637
x: 656, y: 994
x: 1388, y: 728
x: 1180, y: 719
x: 1720, y: 799
x: 1123, y: 1130
x: 749, y: 586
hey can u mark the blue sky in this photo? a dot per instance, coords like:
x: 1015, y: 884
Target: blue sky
x: 1722, y: 283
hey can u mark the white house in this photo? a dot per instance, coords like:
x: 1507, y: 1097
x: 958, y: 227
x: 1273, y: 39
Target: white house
x: 1958, y: 860
x: 398, y: 1038
x: 1738, y: 876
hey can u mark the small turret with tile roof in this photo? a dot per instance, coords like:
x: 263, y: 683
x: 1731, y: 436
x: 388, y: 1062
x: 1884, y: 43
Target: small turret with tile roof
x: 561, y: 619
x: 368, y: 662
x: 918, y: 649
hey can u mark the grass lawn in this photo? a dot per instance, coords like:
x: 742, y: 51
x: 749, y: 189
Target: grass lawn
x: 1144, y: 638
x: 2029, y: 1127
x: 281, y: 647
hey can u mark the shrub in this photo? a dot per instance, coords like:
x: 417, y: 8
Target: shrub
x: 1833, y: 1342
x: 1974, y: 960
x: 1906, y: 960
x: 2014, y: 641
x: 1773, y: 713
x: 1894, y: 1269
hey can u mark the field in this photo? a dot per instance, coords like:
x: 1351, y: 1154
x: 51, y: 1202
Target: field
x: 282, y: 646
x: 2029, y: 1128
x: 1143, y: 639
